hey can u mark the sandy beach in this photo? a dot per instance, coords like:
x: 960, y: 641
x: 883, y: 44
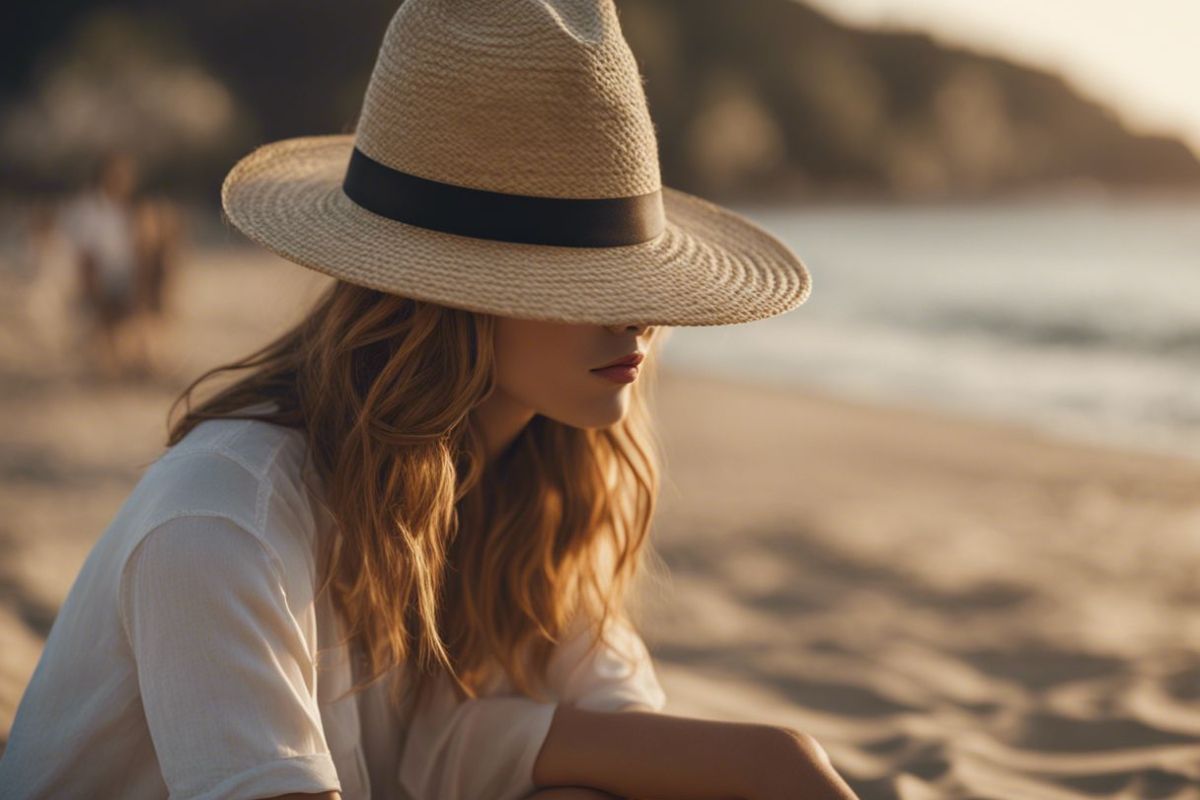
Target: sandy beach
x: 955, y: 609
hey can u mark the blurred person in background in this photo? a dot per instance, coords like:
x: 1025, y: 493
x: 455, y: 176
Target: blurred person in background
x: 101, y: 225
x: 158, y: 234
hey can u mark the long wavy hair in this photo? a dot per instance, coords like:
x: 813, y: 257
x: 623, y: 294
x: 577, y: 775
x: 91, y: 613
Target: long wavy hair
x: 440, y: 560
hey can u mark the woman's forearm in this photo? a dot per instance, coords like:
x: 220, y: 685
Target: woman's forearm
x: 649, y: 755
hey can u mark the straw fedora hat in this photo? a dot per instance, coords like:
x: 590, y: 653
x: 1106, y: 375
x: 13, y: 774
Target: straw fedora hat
x: 504, y: 161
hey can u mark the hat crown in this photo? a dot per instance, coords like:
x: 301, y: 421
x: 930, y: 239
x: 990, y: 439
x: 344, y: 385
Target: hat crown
x: 530, y: 97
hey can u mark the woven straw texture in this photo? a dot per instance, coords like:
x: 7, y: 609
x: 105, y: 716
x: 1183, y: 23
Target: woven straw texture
x: 534, y: 97
x: 513, y: 96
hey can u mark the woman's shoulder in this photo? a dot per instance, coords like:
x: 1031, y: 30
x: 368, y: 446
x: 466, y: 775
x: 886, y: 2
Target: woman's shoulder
x: 247, y: 471
x: 259, y: 447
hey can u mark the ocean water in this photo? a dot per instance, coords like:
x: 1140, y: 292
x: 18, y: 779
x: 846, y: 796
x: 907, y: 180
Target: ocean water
x: 1080, y: 317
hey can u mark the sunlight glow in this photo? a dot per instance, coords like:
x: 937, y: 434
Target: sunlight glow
x: 1141, y: 58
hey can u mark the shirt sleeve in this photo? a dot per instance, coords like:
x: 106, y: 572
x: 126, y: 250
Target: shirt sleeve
x: 617, y: 673
x: 226, y: 677
x: 487, y: 746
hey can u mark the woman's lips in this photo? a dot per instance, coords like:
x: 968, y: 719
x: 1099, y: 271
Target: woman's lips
x: 622, y: 373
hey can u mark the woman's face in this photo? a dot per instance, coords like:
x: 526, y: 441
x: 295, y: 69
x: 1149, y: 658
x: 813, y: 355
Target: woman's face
x: 550, y: 368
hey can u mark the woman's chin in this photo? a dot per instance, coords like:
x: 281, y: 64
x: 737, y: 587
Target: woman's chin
x: 601, y: 416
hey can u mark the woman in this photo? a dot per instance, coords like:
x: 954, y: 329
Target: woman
x: 390, y: 559
x: 100, y: 224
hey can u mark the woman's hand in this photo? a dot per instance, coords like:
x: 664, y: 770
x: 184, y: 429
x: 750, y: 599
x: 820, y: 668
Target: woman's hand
x: 793, y: 765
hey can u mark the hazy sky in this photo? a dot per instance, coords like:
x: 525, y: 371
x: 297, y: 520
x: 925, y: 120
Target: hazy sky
x: 1140, y: 56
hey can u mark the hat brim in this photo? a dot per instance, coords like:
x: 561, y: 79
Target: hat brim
x: 710, y: 266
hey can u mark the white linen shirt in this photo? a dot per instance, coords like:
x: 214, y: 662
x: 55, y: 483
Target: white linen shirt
x: 190, y: 659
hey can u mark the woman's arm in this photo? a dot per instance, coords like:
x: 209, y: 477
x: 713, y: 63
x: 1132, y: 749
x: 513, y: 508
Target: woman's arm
x: 485, y: 746
x: 638, y: 754
x: 225, y: 676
